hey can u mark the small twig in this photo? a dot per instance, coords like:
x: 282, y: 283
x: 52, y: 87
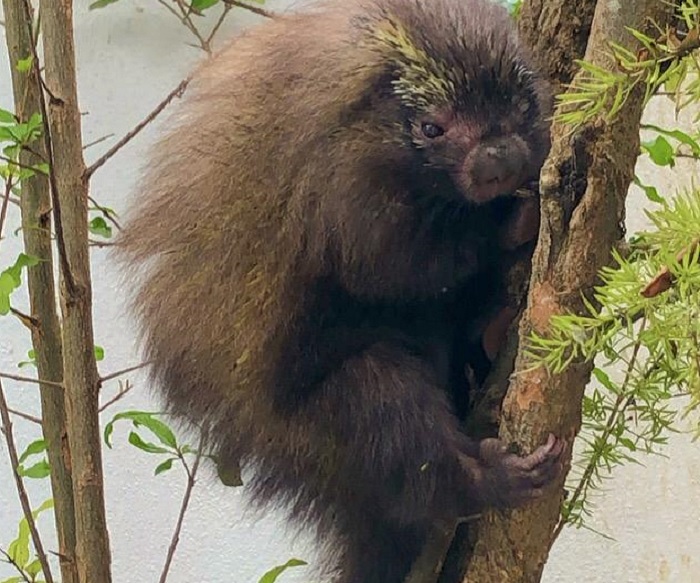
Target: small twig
x: 177, y: 92
x: 125, y: 388
x: 191, y: 475
x: 622, y: 401
x: 21, y: 491
x: 663, y: 280
x: 95, y: 243
x: 19, y: 164
x: 12, y: 562
x: 169, y: 8
x: 222, y: 17
x: 29, y: 321
x: 186, y: 11
x: 97, y: 141
x: 5, y: 203
x: 14, y: 377
x: 124, y: 371
x: 29, y: 148
x: 25, y: 416
x: 250, y: 8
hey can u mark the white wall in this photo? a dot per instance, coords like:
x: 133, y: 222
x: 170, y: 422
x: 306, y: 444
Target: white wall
x: 130, y: 55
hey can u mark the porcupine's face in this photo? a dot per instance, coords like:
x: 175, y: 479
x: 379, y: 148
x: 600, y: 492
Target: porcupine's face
x: 485, y: 156
x: 473, y: 111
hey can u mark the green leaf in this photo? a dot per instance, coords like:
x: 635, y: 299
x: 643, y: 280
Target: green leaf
x: 628, y: 443
x: 676, y: 77
x: 5, y: 134
x: 99, y: 353
x: 682, y: 137
x: 31, y: 355
x: 161, y: 431
x: 7, y: 116
x: 7, y: 286
x: 660, y: 151
x: 15, y: 271
x: 37, y: 471
x: 19, y: 548
x: 144, y: 419
x: 158, y: 428
x: 33, y: 569
x: 136, y: 441
x: 23, y: 65
x: 33, y: 448
x: 100, y: 4
x: 45, y: 505
x: 650, y: 191
x: 164, y: 466
x: 98, y: 226
x: 229, y: 474
x: 199, y: 5
x: 272, y: 575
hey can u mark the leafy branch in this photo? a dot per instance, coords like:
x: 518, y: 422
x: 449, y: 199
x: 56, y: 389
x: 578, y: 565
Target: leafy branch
x: 655, y: 335
x: 668, y: 59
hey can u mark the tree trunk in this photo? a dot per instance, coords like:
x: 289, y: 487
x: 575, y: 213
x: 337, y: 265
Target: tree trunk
x: 557, y: 32
x: 584, y: 185
x: 45, y: 329
x: 70, y: 205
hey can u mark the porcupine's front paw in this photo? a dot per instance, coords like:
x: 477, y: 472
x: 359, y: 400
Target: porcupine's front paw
x: 509, y: 480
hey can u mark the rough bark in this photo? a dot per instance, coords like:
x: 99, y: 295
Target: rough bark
x: 584, y: 185
x: 558, y: 34
x: 46, y: 332
x: 70, y: 206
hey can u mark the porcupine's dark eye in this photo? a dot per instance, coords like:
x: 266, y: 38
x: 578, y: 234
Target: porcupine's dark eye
x: 431, y: 130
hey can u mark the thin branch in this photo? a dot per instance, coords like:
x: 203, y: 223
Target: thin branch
x: 95, y: 243
x: 25, y: 416
x: 19, y: 164
x: 21, y: 491
x: 21, y: 379
x: 28, y: 321
x: 119, y: 373
x: 177, y: 92
x: 125, y: 388
x: 97, y: 141
x: 5, y: 203
x: 12, y: 562
x: 186, y: 19
x: 622, y: 401
x: 191, y: 475
x: 222, y: 17
x: 169, y: 9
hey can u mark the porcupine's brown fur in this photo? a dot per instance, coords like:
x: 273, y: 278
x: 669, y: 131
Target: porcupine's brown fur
x: 309, y: 242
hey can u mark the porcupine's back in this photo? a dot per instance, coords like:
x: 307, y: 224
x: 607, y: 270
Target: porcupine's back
x: 215, y: 245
